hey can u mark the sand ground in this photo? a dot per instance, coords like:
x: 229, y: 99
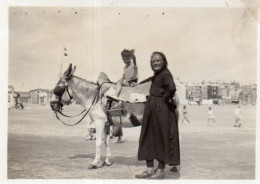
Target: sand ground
x: 40, y: 147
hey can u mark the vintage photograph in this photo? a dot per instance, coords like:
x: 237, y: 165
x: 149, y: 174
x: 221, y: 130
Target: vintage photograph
x: 140, y: 93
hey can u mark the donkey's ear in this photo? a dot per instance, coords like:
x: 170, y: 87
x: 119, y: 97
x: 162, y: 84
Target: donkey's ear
x: 72, y: 72
x: 68, y: 71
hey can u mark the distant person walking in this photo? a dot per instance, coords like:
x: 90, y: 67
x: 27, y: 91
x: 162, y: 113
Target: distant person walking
x: 222, y: 102
x: 211, y: 116
x: 184, y: 113
x: 238, y: 116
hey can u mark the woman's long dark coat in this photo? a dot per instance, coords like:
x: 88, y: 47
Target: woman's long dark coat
x: 159, y: 137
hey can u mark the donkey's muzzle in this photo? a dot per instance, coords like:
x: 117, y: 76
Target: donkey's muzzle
x: 59, y: 90
x: 56, y: 106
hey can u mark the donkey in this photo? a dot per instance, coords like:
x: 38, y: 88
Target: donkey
x: 91, y: 97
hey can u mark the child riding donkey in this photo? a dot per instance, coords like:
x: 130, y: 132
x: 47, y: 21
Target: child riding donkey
x: 129, y: 78
x: 130, y: 75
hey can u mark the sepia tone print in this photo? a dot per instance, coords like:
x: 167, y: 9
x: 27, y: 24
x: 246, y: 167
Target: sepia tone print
x: 76, y: 61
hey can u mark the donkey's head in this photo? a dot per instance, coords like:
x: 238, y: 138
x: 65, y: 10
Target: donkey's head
x: 61, y: 91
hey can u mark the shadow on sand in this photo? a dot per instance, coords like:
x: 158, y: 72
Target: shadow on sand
x: 128, y: 161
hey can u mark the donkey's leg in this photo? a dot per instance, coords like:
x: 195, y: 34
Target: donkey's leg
x: 99, y: 136
x: 107, y: 144
x: 99, y: 118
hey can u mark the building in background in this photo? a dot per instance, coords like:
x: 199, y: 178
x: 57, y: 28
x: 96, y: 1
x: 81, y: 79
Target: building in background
x: 196, y: 92
x: 234, y: 95
x: 181, y: 91
x: 24, y: 97
x: 220, y: 92
x: 213, y: 92
x: 224, y: 93
x: 204, y: 92
x: 248, y: 94
x: 235, y: 85
x: 39, y: 96
x: 193, y: 93
x: 190, y: 92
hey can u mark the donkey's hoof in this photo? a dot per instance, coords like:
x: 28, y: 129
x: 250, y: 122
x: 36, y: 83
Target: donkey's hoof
x: 95, y: 165
x: 106, y: 163
x: 91, y: 166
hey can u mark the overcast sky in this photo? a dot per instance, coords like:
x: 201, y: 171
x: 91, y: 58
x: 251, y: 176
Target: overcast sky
x: 199, y: 43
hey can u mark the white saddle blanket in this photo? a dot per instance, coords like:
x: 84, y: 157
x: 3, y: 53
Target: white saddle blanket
x: 127, y: 94
x: 133, y: 98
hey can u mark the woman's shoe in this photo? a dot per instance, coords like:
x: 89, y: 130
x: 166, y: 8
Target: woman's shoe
x: 159, y: 174
x: 144, y: 174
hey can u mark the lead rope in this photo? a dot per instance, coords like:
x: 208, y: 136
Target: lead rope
x: 70, y: 99
x: 95, y: 100
x: 71, y: 116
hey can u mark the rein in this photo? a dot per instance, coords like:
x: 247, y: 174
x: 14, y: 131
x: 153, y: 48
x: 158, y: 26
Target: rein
x: 70, y: 116
x: 96, y: 97
x: 93, y: 103
x: 66, y: 88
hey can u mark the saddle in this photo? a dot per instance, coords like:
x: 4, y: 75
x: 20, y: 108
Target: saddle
x: 128, y: 94
x: 129, y: 101
x: 124, y: 111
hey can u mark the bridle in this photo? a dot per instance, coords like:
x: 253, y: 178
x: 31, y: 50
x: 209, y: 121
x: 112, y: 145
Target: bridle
x: 57, y: 105
x: 59, y: 110
x: 92, y: 105
x: 67, y: 90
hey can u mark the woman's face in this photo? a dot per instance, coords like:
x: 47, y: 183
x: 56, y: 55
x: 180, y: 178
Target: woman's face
x: 157, y: 62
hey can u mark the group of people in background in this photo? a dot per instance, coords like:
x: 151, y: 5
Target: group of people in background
x: 211, y: 117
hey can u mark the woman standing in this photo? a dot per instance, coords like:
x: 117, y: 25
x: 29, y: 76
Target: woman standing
x: 159, y: 137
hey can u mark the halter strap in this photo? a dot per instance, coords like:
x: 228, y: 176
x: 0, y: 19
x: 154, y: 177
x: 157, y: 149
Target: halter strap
x: 93, y: 103
x: 95, y: 100
x: 67, y: 89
